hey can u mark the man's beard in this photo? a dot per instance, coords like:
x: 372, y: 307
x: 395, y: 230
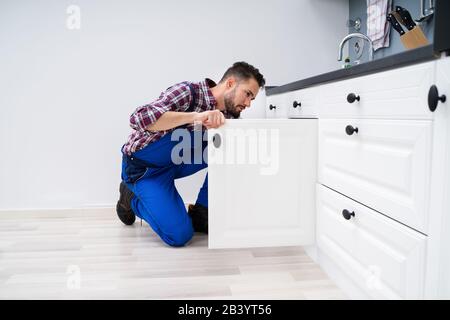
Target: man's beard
x: 230, y: 107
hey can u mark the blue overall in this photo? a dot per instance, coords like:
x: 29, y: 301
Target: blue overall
x: 156, y: 199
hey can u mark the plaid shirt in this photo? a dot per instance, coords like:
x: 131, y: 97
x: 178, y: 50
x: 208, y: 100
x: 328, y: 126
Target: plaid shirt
x: 175, y: 98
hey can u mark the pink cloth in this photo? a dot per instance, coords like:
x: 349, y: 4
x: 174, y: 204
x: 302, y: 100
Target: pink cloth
x: 378, y: 27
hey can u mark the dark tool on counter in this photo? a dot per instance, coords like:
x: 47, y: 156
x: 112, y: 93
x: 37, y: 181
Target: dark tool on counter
x: 407, y: 20
x: 395, y: 24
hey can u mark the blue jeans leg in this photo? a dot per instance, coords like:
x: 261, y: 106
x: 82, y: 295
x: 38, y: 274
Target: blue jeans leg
x: 157, y: 200
x: 184, y: 170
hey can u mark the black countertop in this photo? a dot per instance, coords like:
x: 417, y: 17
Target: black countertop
x: 418, y: 55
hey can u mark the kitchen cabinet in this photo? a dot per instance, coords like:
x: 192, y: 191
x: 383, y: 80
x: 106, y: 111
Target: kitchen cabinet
x: 438, y: 244
x: 386, y: 258
x: 363, y: 179
x: 382, y: 151
x: 394, y: 94
x: 261, y: 183
x: 303, y: 103
x: 277, y: 106
x: 297, y: 104
x: 385, y: 164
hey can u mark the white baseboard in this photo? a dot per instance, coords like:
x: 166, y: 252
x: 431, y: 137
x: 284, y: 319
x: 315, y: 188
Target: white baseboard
x: 84, y: 208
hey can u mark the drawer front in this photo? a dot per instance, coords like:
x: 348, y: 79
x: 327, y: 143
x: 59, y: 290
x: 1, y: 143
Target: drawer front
x: 394, y: 94
x: 276, y: 106
x: 303, y: 103
x: 384, y: 258
x: 385, y: 165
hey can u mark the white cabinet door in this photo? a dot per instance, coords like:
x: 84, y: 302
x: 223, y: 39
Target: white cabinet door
x: 438, y: 248
x: 383, y: 257
x: 261, y: 183
x: 385, y: 165
x: 393, y: 94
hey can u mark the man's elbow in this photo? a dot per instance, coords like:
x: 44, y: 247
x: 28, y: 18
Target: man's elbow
x: 155, y: 126
x: 133, y: 123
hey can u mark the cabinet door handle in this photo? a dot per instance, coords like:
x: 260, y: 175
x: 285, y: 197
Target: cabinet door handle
x: 351, y: 97
x: 347, y: 214
x: 217, y: 140
x: 350, y: 130
x: 296, y: 104
x: 434, y: 98
x: 272, y: 107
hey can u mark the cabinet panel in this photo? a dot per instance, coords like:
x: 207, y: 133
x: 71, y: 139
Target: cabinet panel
x: 384, y: 165
x: 303, y: 103
x: 383, y: 257
x: 394, y: 94
x: 438, y: 250
x: 276, y: 105
x: 261, y: 183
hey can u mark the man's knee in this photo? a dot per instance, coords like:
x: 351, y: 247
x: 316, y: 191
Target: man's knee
x: 180, y: 237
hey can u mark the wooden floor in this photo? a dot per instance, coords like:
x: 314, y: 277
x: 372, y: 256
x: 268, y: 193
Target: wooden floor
x: 90, y: 254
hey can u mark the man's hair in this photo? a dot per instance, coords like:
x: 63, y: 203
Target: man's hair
x: 244, y: 71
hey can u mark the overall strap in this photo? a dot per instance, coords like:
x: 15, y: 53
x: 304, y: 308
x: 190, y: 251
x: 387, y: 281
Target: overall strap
x: 194, y: 96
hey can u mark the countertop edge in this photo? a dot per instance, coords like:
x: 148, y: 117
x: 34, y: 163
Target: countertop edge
x: 399, y: 60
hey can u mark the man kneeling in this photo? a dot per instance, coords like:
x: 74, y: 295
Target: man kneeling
x: 148, y: 189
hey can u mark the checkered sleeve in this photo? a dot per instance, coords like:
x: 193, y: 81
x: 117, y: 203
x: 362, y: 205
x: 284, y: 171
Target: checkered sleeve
x: 175, y: 98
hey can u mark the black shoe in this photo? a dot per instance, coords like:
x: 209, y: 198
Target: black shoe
x: 123, y: 207
x: 199, y: 215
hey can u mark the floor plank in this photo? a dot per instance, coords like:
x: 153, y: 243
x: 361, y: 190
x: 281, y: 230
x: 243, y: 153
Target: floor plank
x: 90, y: 254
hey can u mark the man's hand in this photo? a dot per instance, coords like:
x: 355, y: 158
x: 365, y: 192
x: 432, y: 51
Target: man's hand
x: 210, y: 119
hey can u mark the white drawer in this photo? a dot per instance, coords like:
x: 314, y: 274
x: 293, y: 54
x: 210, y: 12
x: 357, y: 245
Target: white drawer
x: 276, y: 106
x: 383, y: 257
x: 386, y: 165
x: 303, y: 103
x: 394, y: 94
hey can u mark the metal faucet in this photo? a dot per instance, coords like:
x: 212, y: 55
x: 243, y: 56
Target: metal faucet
x: 356, y: 35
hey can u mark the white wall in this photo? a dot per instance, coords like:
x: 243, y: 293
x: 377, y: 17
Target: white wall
x: 66, y: 95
